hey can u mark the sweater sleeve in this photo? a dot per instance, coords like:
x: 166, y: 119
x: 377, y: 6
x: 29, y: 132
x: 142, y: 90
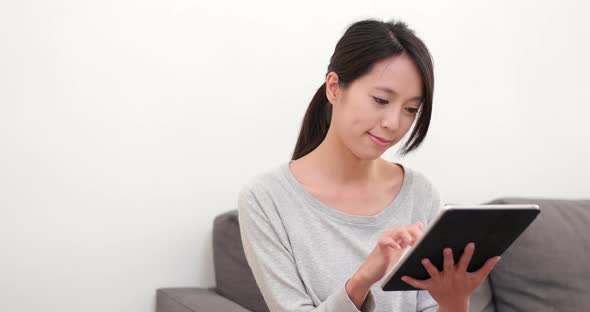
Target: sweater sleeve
x: 270, y: 258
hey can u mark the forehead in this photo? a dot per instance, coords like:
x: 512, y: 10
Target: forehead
x: 398, y: 72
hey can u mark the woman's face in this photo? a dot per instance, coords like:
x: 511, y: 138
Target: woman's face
x: 366, y: 109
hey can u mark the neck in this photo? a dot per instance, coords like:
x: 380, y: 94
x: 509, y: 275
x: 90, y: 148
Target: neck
x: 336, y: 162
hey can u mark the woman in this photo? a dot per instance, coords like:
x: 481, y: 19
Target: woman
x: 321, y: 231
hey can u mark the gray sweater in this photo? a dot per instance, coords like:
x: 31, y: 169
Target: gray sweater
x: 302, y: 252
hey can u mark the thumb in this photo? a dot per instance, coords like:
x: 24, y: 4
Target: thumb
x: 488, y: 267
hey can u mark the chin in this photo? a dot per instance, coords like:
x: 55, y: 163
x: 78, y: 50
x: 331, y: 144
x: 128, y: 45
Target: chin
x: 370, y: 154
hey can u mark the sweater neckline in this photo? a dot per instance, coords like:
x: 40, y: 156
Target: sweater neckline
x: 377, y: 219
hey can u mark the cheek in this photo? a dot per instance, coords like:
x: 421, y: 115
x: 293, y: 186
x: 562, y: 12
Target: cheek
x: 356, y: 117
x: 405, y: 128
x: 407, y: 123
x: 362, y: 114
x: 360, y: 122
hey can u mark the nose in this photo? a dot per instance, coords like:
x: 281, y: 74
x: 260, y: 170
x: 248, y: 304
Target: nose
x: 391, y: 118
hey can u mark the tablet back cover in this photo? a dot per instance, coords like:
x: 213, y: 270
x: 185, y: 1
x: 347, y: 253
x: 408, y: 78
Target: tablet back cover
x: 492, y: 231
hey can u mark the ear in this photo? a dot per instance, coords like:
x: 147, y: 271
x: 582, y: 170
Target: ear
x: 332, y: 87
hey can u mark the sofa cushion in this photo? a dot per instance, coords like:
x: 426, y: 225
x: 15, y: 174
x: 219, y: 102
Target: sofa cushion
x: 233, y: 277
x: 546, y: 268
x: 482, y: 299
x: 193, y: 299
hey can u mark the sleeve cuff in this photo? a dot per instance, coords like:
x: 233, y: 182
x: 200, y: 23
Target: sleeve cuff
x: 369, y: 305
x: 347, y: 304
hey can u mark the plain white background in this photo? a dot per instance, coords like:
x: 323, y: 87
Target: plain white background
x: 127, y: 126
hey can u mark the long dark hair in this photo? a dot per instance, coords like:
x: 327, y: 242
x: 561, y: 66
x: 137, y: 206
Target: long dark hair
x: 362, y: 44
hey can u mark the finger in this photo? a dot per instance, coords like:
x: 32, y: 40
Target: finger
x: 407, y: 237
x: 416, y: 283
x: 399, y: 232
x: 487, y: 267
x: 430, y: 268
x: 393, y: 244
x: 402, y: 237
x: 466, y: 257
x: 396, y: 234
x: 387, y: 242
x: 417, y: 225
x: 415, y: 233
x: 449, y: 262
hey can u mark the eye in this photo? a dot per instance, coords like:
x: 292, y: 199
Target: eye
x: 412, y: 110
x: 380, y: 101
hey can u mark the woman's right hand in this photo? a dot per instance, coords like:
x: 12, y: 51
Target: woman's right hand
x: 387, y: 252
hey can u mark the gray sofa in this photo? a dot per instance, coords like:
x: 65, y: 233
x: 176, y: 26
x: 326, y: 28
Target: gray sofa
x: 546, y: 268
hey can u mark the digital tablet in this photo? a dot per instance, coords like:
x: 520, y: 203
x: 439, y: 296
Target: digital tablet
x: 493, y: 228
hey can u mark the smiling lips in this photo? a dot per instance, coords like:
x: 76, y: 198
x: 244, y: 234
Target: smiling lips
x: 379, y: 141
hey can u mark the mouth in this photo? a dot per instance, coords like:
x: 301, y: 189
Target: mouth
x: 379, y: 141
x: 380, y: 138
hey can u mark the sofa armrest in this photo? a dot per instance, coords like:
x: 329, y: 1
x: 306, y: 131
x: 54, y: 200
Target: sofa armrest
x: 194, y: 300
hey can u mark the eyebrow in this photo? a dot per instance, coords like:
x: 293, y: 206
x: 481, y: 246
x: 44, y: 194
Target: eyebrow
x: 388, y: 90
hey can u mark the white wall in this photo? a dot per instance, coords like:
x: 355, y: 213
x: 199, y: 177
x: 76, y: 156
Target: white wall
x: 126, y: 126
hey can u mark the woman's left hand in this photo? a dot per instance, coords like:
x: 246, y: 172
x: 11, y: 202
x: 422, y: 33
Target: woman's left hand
x: 453, y: 286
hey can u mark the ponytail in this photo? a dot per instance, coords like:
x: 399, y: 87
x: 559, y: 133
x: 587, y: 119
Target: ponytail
x: 315, y: 124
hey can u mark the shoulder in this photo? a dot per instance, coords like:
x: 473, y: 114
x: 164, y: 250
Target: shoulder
x: 259, y: 201
x: 263, y: 181
x: 421, y: 181
x: 260, y: 189
x: 423, y: 189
